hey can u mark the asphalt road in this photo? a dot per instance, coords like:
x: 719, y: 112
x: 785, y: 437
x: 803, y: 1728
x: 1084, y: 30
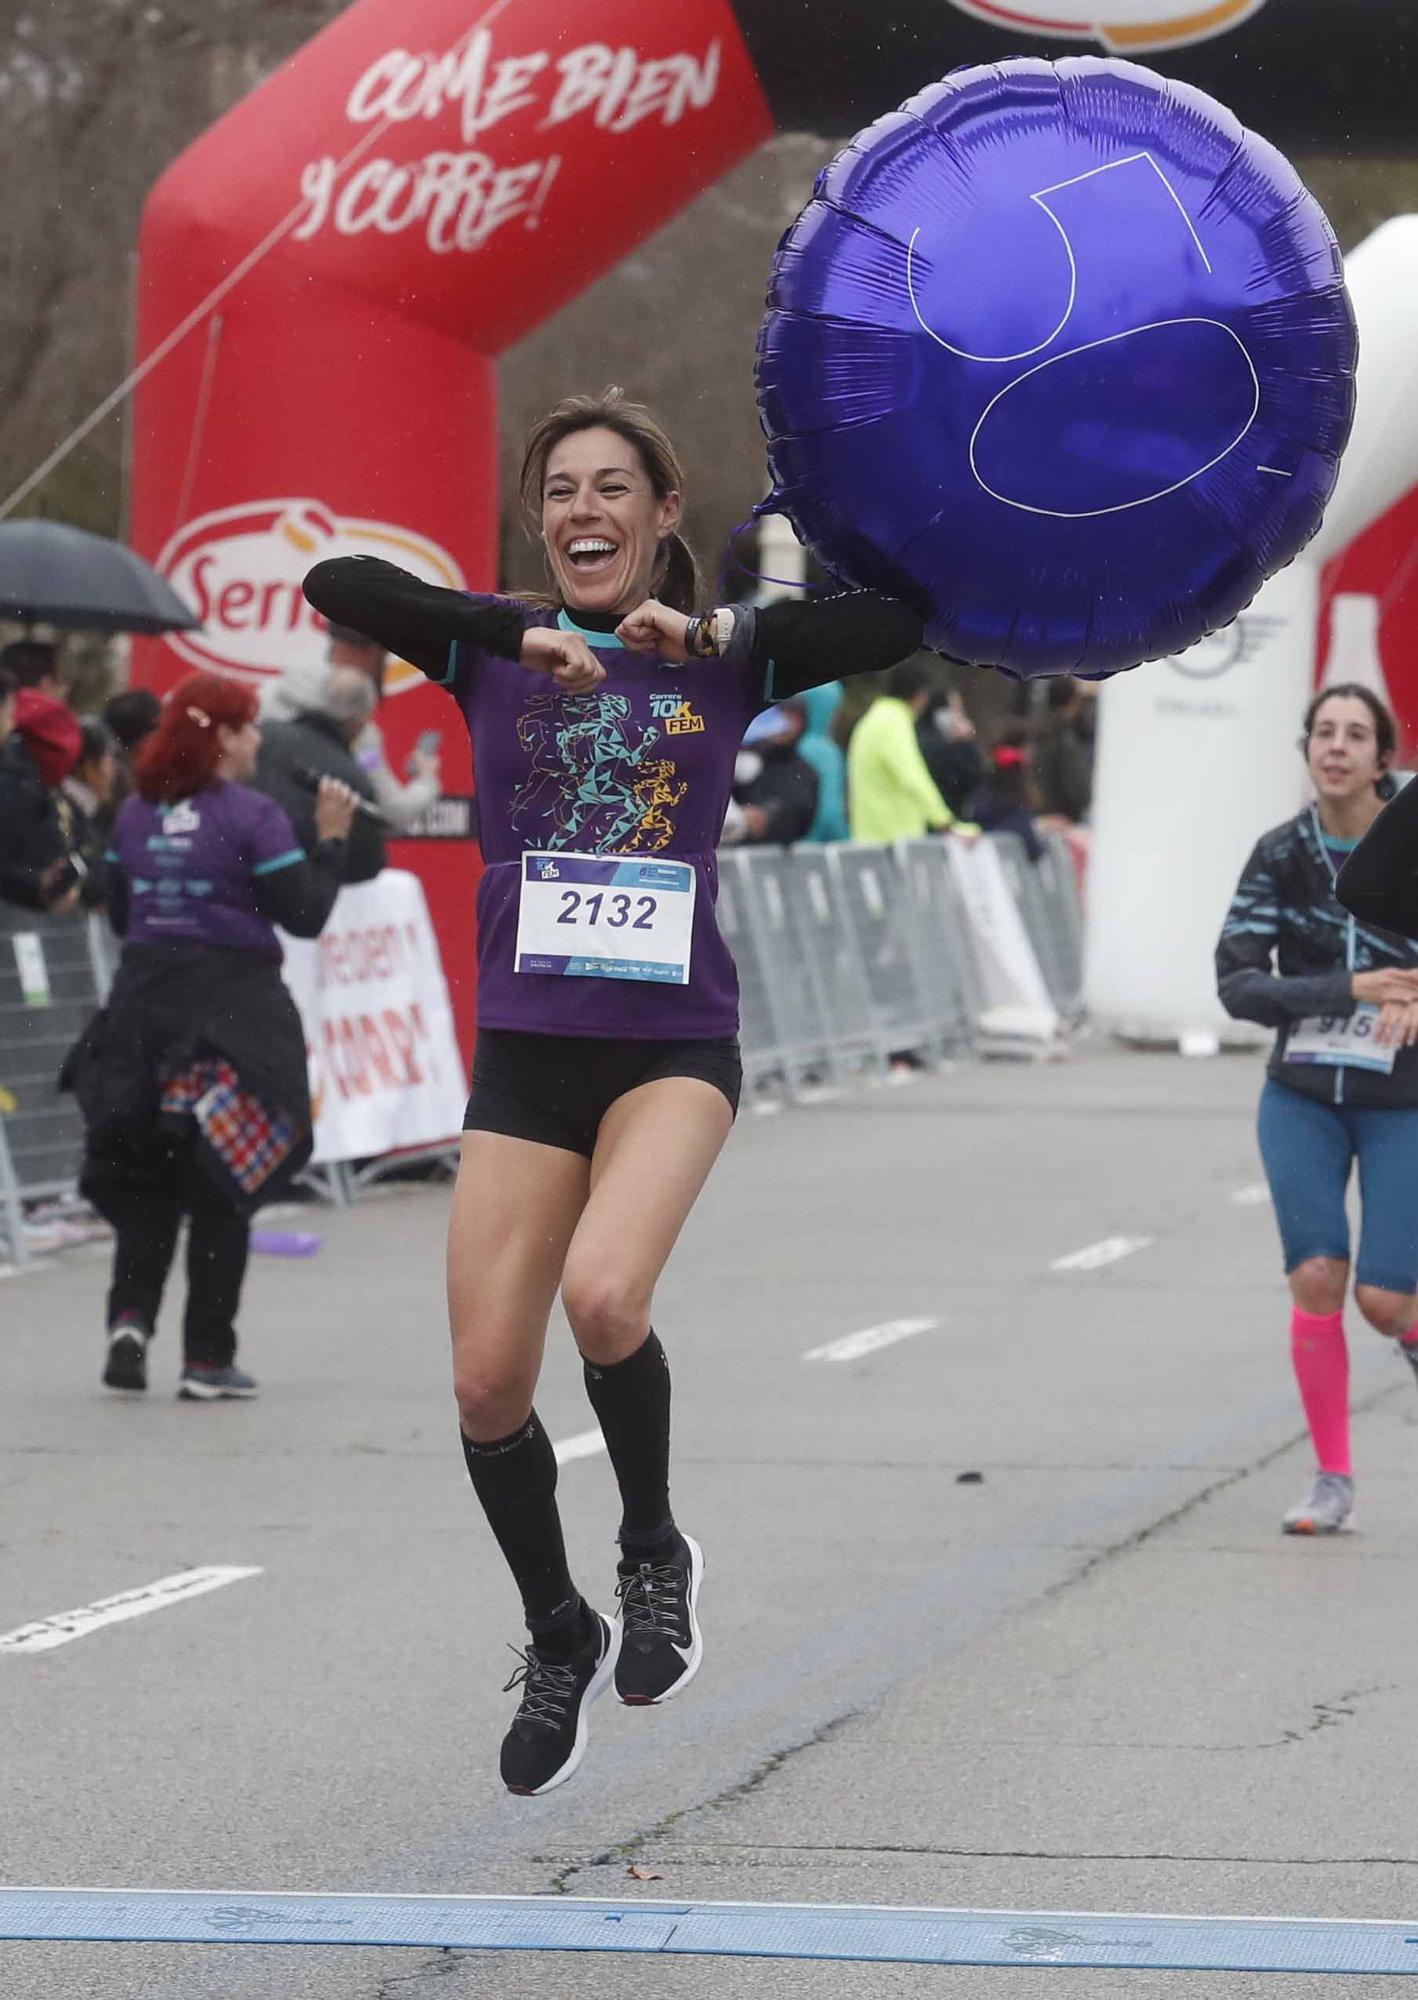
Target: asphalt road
x: 1096, y: 1679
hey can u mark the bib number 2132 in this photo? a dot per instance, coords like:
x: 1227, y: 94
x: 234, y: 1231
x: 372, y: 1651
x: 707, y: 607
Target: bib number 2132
x: 594, y: 916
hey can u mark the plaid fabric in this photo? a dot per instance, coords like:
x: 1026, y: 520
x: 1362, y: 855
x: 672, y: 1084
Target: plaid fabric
x: 249, y: 1142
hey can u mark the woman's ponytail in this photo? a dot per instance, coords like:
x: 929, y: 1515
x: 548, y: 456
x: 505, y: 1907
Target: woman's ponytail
x: 676, y: 580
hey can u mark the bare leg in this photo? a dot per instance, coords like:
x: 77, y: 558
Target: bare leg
x: 515, y: 1209
x: 1392, y: 1313
x: 654, y: 1153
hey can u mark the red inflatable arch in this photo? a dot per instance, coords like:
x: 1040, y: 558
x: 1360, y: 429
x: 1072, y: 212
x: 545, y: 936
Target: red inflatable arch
x: 397, y: 218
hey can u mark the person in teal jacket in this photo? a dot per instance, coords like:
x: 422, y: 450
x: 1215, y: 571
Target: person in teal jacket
x: 816, y: 746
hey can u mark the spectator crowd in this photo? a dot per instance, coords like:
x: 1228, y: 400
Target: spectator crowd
x: 898, y: 756
x: 64, y: 777
x: 878, y: 760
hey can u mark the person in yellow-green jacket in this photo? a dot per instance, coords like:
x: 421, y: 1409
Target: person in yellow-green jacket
x: 891, y: 795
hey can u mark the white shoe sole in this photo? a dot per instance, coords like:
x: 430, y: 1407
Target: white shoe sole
x: 595, y: 1688
x: 1308, y: 1527
x: 696, y: 1637
x: 204, y: 1392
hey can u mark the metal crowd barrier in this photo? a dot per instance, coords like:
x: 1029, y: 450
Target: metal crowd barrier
x: 848, y: 955
x: 851, y: 954
x: 1046, y: 892
x: 53, y: 975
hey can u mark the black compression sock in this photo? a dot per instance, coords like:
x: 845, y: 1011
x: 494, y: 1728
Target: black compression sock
x: 515, y: 1480
x: 632, y: 1400
x: 568, y: 1629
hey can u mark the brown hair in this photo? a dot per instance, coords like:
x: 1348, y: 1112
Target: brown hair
x: 675, y: 577
x: 1385, y: 728
x: 181, y: 755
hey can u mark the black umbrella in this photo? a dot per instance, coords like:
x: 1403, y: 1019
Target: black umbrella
x: 51, y: 574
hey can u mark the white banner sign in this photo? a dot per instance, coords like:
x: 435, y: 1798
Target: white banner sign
x: 1197, y: 756
x: 1014, y: 1000
x: 385, y: 1071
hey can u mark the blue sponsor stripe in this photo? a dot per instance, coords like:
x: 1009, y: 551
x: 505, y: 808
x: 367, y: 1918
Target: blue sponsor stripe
x: 286, y: 860
x: 659, y: 972
x: 608, y: 872
x: 715, y: 1930
x: 658, y: 875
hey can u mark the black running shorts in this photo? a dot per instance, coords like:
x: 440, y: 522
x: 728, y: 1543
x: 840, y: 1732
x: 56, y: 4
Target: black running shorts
x: 556, y: 1089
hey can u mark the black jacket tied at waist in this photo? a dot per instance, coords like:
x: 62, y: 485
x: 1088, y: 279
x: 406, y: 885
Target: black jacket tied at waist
x: 172, y: 1008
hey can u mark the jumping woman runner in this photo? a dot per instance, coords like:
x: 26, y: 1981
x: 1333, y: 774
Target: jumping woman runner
x: 605, y: 723
x: 1343, y: 1077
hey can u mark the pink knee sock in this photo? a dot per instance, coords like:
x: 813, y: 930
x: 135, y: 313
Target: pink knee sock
x: 1321, y: 1359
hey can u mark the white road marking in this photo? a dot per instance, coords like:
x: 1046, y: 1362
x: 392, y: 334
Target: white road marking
x: 852, y: 1345
x: 46, y: 1633
x: 585, y: 1444
x: 1094, y: 1256
x: 1254, y: 1196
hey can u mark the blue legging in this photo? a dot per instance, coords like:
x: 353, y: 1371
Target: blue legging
x: 1309, y: 1150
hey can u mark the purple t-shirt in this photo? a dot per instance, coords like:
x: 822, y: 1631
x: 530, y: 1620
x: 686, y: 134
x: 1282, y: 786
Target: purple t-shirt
x: 643, y: 766
x: 192, y: 867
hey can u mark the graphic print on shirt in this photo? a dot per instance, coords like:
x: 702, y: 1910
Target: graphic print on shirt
x: 1315, y: 923
x: 592, y: 784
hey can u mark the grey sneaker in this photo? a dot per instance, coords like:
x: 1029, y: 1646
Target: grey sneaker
x: 1409, y: 1350
x: 199, y: 1383
x: 1329, y: 1509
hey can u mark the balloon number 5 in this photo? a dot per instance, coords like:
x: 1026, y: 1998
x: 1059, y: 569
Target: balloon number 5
x: 1189, y: 346
x: 1063, y: 354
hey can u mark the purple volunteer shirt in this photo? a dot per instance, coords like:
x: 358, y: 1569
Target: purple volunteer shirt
x: 643, y: 766
x: 192, y: 867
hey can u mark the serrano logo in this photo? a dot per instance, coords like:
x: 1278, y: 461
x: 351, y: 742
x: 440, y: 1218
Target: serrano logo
x: 241, y: 567
x: 1127, y: 27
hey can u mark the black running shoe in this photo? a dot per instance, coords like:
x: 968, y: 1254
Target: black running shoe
x: 127, y: 1363
x: 661, y: 1644
x: 547, y: 1739
x: 201, y: 1384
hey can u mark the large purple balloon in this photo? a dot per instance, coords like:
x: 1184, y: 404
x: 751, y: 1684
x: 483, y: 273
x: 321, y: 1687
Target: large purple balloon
x: 1062, y: 353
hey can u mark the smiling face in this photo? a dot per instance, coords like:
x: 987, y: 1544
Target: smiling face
x: 1343, y: 752
x: 602, y: 521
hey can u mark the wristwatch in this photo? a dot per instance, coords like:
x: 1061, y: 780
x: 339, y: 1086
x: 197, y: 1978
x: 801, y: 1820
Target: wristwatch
x: 709, y: 636
x: 722, y: 624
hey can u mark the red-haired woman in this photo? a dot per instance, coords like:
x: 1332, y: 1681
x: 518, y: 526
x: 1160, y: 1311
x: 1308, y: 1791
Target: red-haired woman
x: 192, y: 1081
